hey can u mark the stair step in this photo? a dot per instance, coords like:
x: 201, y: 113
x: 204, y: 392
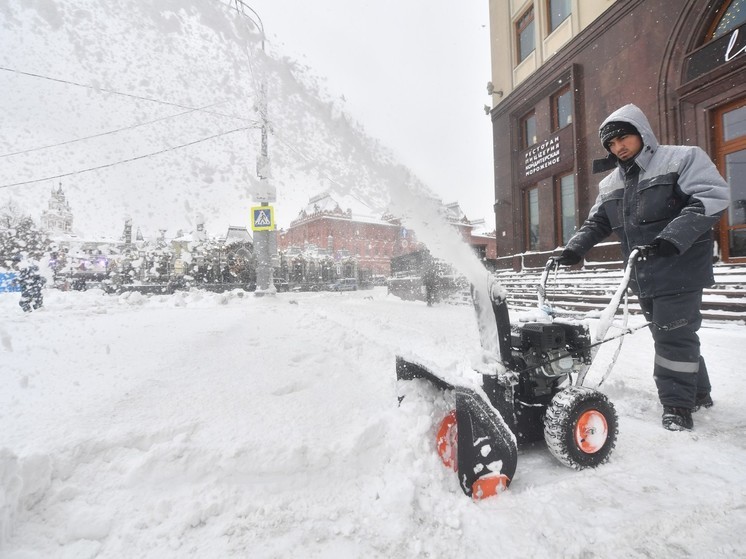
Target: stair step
x: 582, y: 291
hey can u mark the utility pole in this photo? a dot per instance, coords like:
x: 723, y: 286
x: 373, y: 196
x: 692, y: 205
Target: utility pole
x: 263, y: 226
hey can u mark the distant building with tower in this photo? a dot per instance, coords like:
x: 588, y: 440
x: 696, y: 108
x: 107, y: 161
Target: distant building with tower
x: 58, y: 217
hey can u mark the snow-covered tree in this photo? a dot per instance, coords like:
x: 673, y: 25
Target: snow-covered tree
x: 19, y: 234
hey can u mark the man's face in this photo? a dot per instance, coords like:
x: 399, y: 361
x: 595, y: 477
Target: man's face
x: 625, y: 147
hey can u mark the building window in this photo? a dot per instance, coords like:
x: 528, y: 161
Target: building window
x: 562, y: 109
x: 559, y: 11
x: 532, y: 211
x: 734, y: 124
x: 528, y: 130
x: 733, y: 16
x: 524, y: 32
x: 730, y: 147
x: 566, y: 207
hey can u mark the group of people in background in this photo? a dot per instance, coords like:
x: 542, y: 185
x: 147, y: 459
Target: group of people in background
x: 30, y: 282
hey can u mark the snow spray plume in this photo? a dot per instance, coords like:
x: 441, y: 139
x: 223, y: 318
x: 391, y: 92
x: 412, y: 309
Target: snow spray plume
x: 316, y: 138
x: 408, y: 198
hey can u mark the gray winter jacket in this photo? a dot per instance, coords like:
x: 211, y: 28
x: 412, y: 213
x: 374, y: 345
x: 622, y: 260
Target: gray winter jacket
x: 678, y: 196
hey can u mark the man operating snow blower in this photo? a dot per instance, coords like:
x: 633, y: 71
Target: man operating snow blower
x: 667, y: 198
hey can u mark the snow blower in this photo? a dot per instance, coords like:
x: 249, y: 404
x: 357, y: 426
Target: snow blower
x: 532, y: 391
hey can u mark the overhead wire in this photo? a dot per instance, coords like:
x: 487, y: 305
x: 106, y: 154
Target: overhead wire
x: 115, y: 92
x: 253, y: 124
x: 129, y: 160
x: 257, y: 89
x: 108, y: 132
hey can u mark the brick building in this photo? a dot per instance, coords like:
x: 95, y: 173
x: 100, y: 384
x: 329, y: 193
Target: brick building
x: 559, y: 67
x: 325, y: 229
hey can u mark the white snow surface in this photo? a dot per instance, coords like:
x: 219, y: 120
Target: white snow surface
x: 227, y: 425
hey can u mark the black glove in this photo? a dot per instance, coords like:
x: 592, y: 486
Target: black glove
x: 662, y: 247
x: 567, y: 258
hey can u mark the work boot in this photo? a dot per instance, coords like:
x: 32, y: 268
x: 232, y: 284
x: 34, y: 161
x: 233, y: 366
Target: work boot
x: 704, y: 400
x: 677, y: 419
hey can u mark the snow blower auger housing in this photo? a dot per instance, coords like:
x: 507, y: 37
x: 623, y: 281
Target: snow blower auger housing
x: 534, y: 393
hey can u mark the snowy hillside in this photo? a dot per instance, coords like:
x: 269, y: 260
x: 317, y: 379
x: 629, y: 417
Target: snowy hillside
x: 203, y: 425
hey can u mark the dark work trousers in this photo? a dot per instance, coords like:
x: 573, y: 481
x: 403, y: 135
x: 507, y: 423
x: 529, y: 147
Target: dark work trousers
x: 680, y: 372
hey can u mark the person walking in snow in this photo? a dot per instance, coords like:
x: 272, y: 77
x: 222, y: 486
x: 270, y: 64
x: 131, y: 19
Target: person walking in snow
x: 666, y: 198
x: 429, y: 281
x: 30, y: 283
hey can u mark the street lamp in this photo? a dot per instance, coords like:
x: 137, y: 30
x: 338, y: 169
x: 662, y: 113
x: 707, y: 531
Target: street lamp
x: 242, y: 8
x: 262, y: 166
x: 265, y: 241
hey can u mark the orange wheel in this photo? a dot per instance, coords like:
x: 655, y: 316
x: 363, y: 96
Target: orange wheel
x: 580, y: 427
x: 591, y: 431
x: 446, y: 440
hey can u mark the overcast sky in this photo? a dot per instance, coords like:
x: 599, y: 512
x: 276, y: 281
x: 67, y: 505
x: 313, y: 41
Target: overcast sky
x: 413, y: 72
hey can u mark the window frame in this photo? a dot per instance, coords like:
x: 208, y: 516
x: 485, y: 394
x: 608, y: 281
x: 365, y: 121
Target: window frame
x: 548, y: 6
x: 559, y: 208
x: 524, y: 129
x: 521, y: 23
x: 554, y: 103
x: 527, y: 221
x: 722, y: 10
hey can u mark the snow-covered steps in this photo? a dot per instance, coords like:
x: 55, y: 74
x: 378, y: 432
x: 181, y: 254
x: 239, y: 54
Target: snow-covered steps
x: 587, y: 290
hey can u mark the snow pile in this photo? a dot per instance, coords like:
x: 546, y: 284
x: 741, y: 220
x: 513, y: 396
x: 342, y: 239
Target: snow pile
x: 211, y: 425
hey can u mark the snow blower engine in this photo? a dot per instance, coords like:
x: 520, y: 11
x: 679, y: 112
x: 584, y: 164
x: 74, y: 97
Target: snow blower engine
x: 533, y: 392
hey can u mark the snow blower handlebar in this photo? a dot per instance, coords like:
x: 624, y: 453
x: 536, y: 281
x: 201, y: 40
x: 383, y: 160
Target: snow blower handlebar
x: 552, y: 263
x: 637, y: 253
x: 608, y: 313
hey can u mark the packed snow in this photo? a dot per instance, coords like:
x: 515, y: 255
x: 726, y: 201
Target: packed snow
x: 229, y: 425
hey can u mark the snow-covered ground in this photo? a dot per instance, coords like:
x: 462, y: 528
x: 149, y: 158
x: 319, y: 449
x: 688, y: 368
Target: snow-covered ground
x: 206, y: 425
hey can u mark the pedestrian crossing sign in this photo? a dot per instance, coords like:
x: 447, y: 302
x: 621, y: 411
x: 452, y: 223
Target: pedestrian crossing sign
x: 262, y: 218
